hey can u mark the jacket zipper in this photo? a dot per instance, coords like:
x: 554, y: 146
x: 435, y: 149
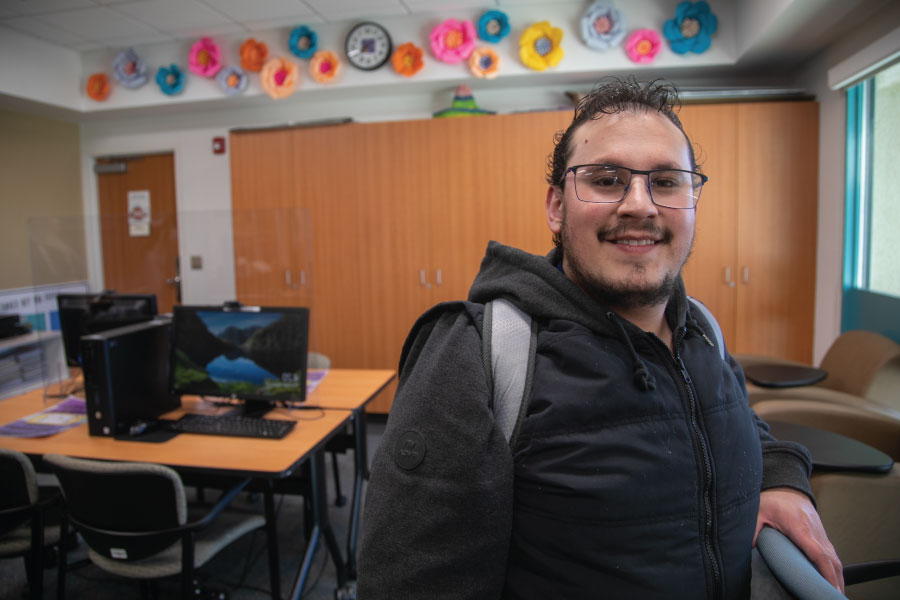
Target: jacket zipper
x: 708, y: 542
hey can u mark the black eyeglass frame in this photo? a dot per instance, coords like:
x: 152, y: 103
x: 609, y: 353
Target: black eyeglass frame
x: 572, y: 169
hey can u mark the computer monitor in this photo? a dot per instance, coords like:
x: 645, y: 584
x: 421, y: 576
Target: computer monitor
x: 83, y: 314
x: 253, y: 354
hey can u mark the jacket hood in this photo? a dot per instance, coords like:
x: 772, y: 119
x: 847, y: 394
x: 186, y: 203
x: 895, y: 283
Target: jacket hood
x: 539, y: 288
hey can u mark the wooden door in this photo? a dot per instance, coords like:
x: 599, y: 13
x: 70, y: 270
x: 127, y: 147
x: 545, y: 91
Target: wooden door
x: 777, y: 220
x: 710, y: 274
x: 140, y: 263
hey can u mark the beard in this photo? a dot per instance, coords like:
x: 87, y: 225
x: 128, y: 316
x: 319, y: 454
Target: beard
x: 620, y: 294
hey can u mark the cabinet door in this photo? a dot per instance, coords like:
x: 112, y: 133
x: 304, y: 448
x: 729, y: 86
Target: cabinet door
x: 711, y: 271
x: 777, y: 219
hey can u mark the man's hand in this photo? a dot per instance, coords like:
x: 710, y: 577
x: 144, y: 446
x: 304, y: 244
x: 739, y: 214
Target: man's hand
x: 792, y: 513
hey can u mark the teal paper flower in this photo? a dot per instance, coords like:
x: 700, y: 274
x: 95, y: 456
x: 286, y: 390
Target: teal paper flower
x: 170, y: 80
x: 304, y: 42
x: 692, y: 28
x: 493, y: 26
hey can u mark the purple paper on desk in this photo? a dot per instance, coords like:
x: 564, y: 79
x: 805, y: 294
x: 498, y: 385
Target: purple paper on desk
x: 313, y: 378
x: 53, y: 419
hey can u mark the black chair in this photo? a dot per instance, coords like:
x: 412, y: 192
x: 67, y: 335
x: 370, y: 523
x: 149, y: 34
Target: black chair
x: 136, y: 522
x: 24, y: 530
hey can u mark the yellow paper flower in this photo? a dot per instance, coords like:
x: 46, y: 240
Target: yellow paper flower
x: 539, y: 46
x: 279, y: 77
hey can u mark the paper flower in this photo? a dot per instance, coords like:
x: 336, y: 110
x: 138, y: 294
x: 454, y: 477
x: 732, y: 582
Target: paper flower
x: 602, y: 26
x: 493, y: 26
x: 539, y: 46
x: 129, y: 69
x: 232, y: 80
x: 205, y: 58
x: 325, y: 66
x: 170, y: 80
x: 253, y: 55
x: 463, y: 104
x: 484, y: 62
x: 97, y: 87
x: 303, y: 42
x: 278, y: 77
x: 453, y: 41
x: 643, y: 45
x: 692, y: 28
x: 407, y: 59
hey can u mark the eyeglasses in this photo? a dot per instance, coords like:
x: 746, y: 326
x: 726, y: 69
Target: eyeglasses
x: 608, y: 184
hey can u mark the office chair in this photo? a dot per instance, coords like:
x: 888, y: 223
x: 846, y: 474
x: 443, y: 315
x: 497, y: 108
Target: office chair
x: 863, y: 370
x: 136, y: 522
x: 23, y: 524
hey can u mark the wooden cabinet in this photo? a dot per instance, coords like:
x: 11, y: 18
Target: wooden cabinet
x: 753, y: 262
x: 400, y: 213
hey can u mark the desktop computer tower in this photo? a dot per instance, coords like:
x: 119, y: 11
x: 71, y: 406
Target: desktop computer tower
x: 126, y: 376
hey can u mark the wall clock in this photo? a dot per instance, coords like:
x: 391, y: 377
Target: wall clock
x: 368, y: 46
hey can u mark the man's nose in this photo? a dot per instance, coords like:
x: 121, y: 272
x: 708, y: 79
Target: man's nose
x: 637, y: 200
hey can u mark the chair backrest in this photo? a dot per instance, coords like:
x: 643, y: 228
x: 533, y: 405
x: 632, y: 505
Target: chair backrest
x: 107, y: 501
x: 19, y: 488
x: 855, y: 359
x: 314, y: 360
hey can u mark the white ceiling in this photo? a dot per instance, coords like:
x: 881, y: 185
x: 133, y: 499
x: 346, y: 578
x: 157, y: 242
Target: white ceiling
x: 84, y: 25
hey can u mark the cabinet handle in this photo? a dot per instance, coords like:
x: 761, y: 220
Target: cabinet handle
x: 746, y: 274
x: 422, y: 280
x: 303, y: 278
x: 287, y: 280
x: 438, y: 279
x: 728, y: 280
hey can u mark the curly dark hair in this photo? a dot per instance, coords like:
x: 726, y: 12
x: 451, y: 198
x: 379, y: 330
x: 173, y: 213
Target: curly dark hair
x: 612, y: 96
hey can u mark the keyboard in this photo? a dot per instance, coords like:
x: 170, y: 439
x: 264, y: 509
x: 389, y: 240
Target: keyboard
x: 232, y: 425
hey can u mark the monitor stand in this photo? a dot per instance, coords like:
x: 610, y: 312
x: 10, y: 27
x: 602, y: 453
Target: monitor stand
x: 256, y: 409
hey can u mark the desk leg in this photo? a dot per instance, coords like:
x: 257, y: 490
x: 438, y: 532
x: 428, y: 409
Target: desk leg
x: 361, y: 466
x: 321, y: 526
x: 272, y: 537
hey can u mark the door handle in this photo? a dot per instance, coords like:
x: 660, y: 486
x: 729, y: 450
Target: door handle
x: 176, y: 281
x: 287, y: 279
x: 746, y: 274
x: 422, y: 281
x: 728, y: 280
x: 438, y: 279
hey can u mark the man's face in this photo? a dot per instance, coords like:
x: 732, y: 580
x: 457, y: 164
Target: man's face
x: 627, y: 254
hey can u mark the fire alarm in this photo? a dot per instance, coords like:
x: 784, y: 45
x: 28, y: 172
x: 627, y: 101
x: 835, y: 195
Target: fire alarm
x: 218, y: 145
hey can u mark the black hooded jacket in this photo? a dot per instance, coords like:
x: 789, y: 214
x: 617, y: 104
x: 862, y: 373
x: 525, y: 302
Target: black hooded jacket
x: 636, y: 472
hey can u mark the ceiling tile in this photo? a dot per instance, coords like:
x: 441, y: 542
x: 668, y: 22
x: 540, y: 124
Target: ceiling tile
x: 270, y: 10
x: 44, y: 31
x: 94, y: 23
x: 174, y: 15
x: 430, y: 6
x: 37, y: 7
x: 343, y: 10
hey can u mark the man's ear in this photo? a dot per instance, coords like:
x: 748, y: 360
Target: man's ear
x: 554, y: 207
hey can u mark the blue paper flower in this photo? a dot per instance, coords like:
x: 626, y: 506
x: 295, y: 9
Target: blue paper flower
x: 232, y: 80
x: 304, y: 42
x: 170, y: 80
x: 602, y: 26
x: 129, y: 69
x: 493, y: 26
x: 691, y: 29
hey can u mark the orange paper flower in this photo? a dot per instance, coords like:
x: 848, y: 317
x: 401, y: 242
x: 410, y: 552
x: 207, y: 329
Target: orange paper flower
x: 407, y: 59
x: 324, y: 66
x: 279, y: 77
x: 97, y: 87
x: 253, y: 55
x: 484, y: 62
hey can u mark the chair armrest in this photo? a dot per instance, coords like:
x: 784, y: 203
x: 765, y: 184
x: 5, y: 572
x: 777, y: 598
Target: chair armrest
x: 792, y: 569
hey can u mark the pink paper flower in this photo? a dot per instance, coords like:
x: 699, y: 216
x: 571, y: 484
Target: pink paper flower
x: 643, y: 45
x: 205, y: 59
x: 453, y: 41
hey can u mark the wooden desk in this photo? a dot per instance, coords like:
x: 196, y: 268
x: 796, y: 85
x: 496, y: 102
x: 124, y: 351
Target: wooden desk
x: 342, y: 395
x: 343, y: 389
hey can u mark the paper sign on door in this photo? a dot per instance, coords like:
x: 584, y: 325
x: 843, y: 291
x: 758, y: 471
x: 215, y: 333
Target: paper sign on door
x: 139, y: 213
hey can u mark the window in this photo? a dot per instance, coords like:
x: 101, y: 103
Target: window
x: 872, y: 247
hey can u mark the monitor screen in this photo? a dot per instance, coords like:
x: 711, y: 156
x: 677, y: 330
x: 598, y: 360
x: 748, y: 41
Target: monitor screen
x: 83, y: 314
x: 250, y: 353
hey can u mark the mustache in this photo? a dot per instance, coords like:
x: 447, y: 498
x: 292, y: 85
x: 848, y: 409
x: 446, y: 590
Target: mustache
x: 647, y: 227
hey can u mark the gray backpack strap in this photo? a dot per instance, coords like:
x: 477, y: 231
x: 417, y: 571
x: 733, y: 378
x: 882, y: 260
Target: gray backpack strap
x: 508, y: 345
x: 717, y: 331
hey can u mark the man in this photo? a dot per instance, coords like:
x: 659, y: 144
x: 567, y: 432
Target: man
x: 639, y: 470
